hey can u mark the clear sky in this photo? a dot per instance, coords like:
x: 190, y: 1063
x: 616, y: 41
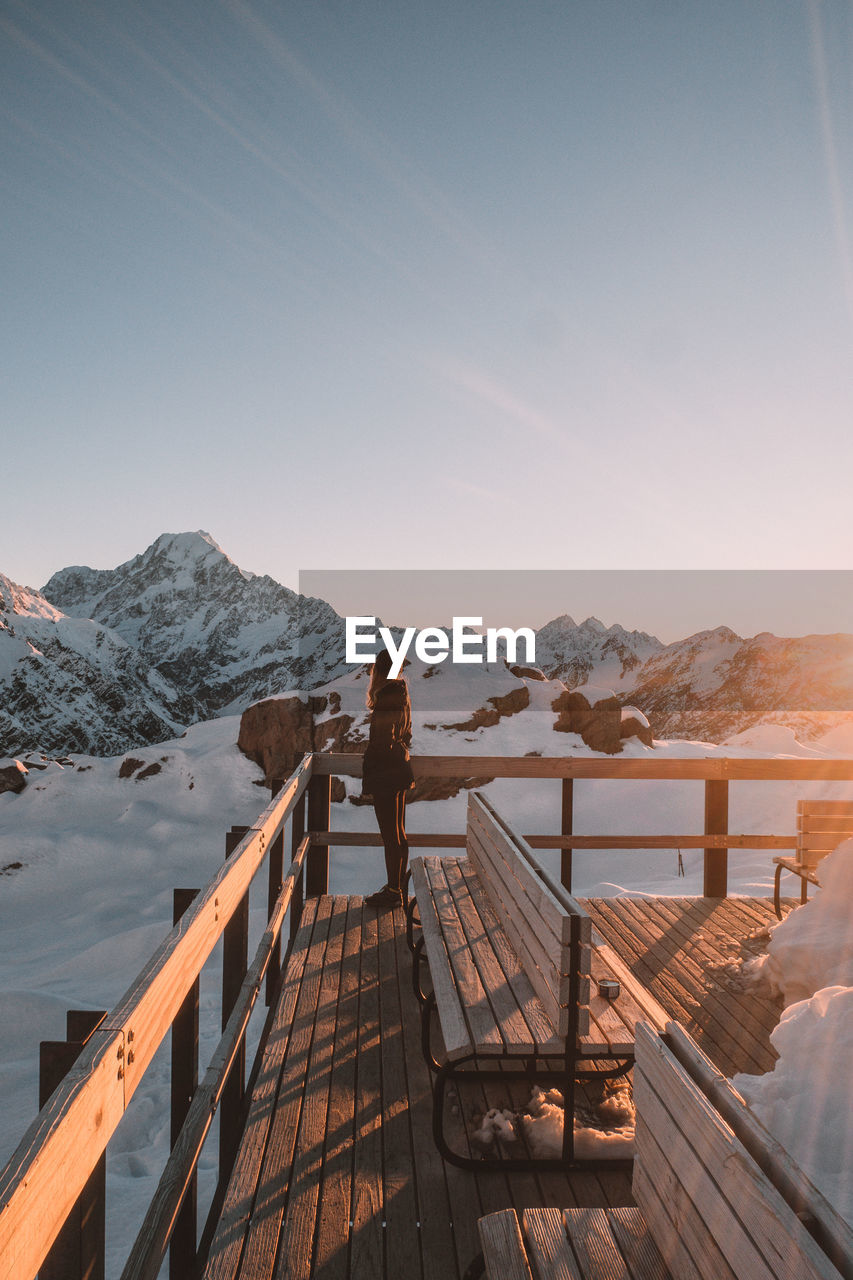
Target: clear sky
x: 439, y: 283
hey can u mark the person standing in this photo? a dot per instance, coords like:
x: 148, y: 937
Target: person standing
x: 387, y: 773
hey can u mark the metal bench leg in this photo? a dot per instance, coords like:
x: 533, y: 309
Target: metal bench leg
x: 417, y: 957
x: 777, y: 906
x: 411, y: 922
x: 426, y: 1014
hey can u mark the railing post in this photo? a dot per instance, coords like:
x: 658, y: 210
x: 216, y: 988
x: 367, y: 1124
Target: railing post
x: 182, y: 1245
x: 319, y: 814
x: 716, y: 824
x: 276, y: 872
x: 78, y: 1252
x: 566, y: 818
x: 297, y: 832
x: 235, y: 961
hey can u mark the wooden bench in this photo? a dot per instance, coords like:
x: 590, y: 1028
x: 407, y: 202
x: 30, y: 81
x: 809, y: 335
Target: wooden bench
x: 515, y: 965
x: 821, y: 826
x: 717, y: 1197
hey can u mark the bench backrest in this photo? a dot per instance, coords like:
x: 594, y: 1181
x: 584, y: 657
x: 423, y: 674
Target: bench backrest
x: 544, y: 923
x: 712, y: 1212
x: 821, y: 826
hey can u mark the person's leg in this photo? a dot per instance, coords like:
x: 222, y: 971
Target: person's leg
x: 385, y: 808
x: 402, y: 840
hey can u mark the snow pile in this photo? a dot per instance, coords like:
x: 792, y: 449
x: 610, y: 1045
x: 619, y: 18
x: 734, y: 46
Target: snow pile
x: 496, y: 1125
x: 813, y: 946
x: 543, y: 1126
x: 805, y: 1100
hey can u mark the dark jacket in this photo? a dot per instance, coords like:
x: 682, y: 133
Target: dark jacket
x: 386, y: 764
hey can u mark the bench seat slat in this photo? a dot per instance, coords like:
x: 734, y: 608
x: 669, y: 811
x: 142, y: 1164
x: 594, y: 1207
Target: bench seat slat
x: 484, y: 1032
x: 503, y: 1247
x: 542, y: 1030
x: 537, y: 951
x: 514, y: 1029
x: 454, y: 1028
x: 548, y: 1244
x: 799, y: 868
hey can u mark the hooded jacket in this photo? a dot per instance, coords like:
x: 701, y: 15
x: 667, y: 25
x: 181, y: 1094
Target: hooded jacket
x: 386, y: 764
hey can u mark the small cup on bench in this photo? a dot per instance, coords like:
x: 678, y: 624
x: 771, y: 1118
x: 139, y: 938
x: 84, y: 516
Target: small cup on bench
x: 609, y: 988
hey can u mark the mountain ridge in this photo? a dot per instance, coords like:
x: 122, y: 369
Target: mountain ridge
x: 102, y: 659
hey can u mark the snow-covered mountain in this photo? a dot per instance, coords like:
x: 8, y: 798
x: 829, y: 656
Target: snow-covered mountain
x: 70, y: 684
x: 719, y: 684
x: 592, y: 653
x: 181, y: 633
x: 226, y: 636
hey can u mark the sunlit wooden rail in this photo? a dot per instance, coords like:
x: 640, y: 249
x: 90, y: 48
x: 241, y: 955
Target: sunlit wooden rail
x: 49, y: 1171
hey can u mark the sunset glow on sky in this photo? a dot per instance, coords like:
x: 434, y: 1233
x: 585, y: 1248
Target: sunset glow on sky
x: 381, y: 285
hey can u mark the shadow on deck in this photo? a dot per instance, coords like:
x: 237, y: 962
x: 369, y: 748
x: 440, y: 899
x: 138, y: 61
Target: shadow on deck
x: 338, y: 1175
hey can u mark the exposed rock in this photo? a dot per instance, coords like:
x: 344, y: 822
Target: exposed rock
x: 149, y: 772
x: 631, y: 727
x: 13, y: 777
x: 277, y: 733
x: 528, y: 673
x: 507, y: 704
x: 129, y: 766
x: 599, y: 724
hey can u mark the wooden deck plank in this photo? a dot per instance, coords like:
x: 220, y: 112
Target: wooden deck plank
x: 265, y: 1224
x: 227, y: 1244
x: 367, y: 1246
x: 402, y: 1238
x: 660, y: 961
x: 446, y: 1250
x: 296, y: 1241
x: 331, y: 1249
x: 705, y: 950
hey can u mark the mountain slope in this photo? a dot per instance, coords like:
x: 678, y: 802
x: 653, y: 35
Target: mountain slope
x: 225, y: 635
x: 70, y: 684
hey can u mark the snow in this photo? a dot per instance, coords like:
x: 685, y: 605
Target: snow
x: 634, y: 713
x: 612, y: 1138
x: 805, y: 1100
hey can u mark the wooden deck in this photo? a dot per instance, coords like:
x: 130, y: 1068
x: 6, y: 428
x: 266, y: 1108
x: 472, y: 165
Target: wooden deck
x: 338, y: 1174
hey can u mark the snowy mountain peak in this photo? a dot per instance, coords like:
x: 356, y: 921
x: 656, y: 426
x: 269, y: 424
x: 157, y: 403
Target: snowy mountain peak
x: 24, y: 601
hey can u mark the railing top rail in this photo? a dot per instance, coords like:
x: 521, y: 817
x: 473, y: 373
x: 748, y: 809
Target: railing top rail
x: 698, y: 768
x: 56, y: 1155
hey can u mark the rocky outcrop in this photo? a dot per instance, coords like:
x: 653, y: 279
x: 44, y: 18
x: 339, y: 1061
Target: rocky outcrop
x: 635, y: 725
x: 507, y: 704
x: 278, y: 732
x: 528, y: 673
x: 598, y: 719
x: 13, y: 777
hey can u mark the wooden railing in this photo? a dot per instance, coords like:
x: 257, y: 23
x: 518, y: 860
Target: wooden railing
x: 717, y: 772
x: 49, y: 1172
